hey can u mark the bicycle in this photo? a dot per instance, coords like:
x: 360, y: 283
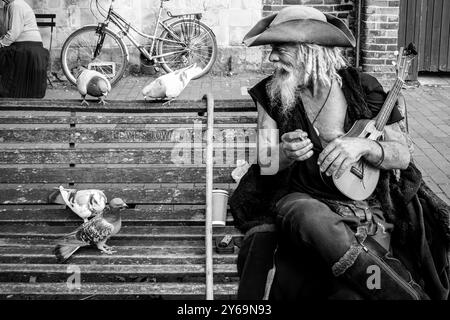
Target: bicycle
x: 184, y: 40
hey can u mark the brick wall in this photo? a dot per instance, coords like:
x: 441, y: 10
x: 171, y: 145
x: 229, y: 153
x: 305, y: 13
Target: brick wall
x: 379, y: 38
x: 340, y: 8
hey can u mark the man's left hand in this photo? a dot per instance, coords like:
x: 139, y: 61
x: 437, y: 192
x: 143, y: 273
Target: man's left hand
x: 342, y: 153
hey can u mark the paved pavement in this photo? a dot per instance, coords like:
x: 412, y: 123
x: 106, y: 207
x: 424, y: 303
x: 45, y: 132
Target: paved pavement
x: 130, y: 87
x: 428, y: 114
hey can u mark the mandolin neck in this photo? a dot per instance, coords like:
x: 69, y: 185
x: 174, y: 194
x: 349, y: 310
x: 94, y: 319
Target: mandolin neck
x: 389, y: 103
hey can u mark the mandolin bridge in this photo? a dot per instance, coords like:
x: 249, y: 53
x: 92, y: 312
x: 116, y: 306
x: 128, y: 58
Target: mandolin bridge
x: 358, y: 172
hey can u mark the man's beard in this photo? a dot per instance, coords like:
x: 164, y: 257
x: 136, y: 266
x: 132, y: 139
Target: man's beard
x: 283, y: 88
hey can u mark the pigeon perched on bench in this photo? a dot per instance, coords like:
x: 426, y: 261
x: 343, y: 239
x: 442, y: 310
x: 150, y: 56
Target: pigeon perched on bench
x: 93, y: 83
x: 85, y: 203
x: 93, y: 232
x: 169, y: 86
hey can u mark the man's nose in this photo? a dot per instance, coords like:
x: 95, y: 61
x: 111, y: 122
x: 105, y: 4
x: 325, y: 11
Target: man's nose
x: 273, y: 57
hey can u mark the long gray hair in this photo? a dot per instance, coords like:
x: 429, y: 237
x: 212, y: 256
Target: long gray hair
x: 321, y: 65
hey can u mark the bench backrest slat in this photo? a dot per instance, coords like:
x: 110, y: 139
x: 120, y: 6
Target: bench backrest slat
x: 51, y: 16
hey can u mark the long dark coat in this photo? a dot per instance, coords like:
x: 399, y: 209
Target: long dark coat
x: 420, y: 239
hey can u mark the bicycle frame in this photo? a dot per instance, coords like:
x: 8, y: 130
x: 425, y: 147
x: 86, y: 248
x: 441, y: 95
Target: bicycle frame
x: 125, y: 28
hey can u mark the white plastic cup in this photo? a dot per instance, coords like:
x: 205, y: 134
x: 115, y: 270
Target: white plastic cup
x: 219, y: 207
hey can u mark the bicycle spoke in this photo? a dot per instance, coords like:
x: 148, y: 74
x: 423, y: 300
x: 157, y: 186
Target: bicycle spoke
x: 173, y: 57
x: 201, y: 57
x: 85, y: 47
x: 80, y: 49
x: 205, y: 53
x: 201, y: 44
x: 199, y: 39
x: 202, y: 48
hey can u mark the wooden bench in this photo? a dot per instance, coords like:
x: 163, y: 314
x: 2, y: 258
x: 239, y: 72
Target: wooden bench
x: 125, y: 149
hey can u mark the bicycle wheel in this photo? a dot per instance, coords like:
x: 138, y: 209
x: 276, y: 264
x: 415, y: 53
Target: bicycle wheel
x: 196, y: 44
x: 79, y: 50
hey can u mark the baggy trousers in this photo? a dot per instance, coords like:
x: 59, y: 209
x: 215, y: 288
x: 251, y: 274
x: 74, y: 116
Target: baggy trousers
x: 308, y: 221
x: 339, y: 240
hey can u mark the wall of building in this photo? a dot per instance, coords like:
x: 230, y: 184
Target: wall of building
x: 231, y: 19
x: 379, y: 38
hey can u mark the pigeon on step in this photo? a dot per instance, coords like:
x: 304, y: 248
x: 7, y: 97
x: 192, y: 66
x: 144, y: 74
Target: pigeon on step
x: 93, y: 83
x: 170, y: 86
x: 93, y: 232
x: 85, y: 203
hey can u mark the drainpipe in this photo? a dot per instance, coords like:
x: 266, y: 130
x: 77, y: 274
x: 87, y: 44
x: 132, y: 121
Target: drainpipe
x: 359, y: 5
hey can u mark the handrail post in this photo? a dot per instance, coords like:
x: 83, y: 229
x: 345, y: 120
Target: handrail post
x: 209, y: 187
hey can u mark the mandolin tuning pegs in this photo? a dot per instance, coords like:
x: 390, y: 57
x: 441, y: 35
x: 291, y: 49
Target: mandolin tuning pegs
x: 411, y: 49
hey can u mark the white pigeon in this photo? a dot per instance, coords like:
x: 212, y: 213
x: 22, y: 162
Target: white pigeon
x: 170, y: 86
x: 85, y: 203
x: 93, y: 83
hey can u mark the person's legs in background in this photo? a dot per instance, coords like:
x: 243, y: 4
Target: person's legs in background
x: 2, y: 70
x: 30, y: 62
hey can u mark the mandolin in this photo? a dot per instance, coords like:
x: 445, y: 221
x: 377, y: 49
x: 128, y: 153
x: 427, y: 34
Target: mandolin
x: 360, y: 180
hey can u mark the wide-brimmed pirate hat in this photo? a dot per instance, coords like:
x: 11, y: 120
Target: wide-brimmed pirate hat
x: 300, y: 24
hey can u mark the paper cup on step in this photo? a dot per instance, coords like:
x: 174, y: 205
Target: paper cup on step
x: 219, y: 207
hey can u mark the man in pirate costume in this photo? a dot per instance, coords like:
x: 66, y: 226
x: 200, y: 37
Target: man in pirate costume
x: 303, y: 237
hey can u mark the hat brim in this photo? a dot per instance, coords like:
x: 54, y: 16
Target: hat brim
x: 333, y: 32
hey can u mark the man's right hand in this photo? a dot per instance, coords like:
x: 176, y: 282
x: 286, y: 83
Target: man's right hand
x: 296, y: 145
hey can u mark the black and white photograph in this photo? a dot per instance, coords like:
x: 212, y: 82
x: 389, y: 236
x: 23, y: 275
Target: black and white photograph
x: 248, y: 152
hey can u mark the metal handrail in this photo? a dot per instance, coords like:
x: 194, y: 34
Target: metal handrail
x: 209, y: 187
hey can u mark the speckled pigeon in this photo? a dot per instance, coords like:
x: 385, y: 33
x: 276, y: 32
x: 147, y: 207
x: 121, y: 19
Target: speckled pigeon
x: 93, y: 232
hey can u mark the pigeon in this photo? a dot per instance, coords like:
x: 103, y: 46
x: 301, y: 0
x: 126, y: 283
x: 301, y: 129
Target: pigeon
x: 93, y: 232
x: 93, y: 83
x: 85, y: 203
x: 170, y: 86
